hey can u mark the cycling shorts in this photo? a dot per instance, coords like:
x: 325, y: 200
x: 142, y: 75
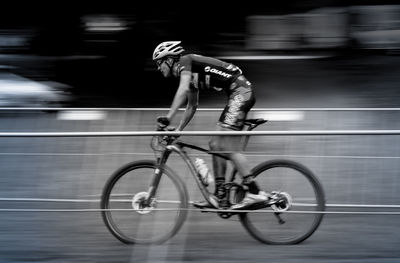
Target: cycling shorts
x: 240, y: 101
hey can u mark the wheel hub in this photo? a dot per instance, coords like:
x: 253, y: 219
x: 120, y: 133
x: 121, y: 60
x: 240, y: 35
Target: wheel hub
x: 281, y: 201
x: 138, y: 203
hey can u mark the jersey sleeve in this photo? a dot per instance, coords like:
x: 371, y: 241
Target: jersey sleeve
x: 185, y: 63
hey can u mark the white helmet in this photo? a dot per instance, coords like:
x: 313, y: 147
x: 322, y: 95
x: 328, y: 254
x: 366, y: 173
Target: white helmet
x: 168, y: 48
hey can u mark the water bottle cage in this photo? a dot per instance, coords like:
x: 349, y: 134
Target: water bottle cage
x: 200, y: 176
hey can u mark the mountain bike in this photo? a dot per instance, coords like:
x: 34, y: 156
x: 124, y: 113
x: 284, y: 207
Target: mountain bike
x: 146, y: 202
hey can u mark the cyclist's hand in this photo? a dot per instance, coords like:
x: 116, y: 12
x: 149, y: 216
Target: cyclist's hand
x: 162, y: 123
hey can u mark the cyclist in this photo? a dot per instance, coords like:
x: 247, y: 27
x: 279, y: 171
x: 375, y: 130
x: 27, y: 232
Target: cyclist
x: 197, y: 72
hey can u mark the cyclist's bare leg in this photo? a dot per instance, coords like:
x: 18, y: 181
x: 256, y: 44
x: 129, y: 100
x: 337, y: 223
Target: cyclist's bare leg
x: 219, y: 165
x: 232, y: 146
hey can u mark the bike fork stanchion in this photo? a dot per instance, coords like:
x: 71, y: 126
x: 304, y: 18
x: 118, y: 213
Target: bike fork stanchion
x: 157, y: 177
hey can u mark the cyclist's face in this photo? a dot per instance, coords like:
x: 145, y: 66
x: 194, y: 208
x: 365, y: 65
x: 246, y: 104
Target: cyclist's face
x: 162, y: 65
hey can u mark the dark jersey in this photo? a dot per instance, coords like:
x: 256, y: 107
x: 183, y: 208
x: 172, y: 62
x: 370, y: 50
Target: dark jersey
x: 209, y: 72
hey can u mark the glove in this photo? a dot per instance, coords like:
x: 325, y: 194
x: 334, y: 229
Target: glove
x: 162, y: 122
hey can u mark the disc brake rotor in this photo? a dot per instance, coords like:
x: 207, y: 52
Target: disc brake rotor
x: 138, y: 203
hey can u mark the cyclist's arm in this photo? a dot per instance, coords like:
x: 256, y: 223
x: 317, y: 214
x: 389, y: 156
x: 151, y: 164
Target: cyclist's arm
x: 191, y: 107
x: 181, y: 94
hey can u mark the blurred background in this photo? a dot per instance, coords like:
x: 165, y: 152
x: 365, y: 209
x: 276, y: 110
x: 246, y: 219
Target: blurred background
x: 100, y: 54
x: 314, y: 65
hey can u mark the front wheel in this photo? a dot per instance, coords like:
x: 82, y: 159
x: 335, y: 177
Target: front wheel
x: 296, y: 205
x: 130, y: 217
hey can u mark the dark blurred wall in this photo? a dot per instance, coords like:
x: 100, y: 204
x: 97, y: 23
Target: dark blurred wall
x: 118, y: 64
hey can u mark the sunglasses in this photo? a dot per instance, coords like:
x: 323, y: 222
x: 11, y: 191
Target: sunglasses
x: 159, y: 62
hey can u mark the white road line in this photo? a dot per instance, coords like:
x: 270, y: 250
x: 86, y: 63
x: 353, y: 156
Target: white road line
x: 81, y: 115
x: 171, y: 201
x: 199, y: 210
x: 56, y: 200
x: 201, y: 133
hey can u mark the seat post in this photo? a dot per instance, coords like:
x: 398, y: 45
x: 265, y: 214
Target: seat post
x: 247, y: 137
x: 251, y: 125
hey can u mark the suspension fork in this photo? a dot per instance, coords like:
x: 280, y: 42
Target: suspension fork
x: 157, y: 175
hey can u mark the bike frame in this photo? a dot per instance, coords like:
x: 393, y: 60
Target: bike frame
x: 178, y: 147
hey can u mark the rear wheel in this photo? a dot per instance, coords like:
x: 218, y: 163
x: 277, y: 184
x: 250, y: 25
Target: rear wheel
x: 133, y: 220
x: 297, y: 204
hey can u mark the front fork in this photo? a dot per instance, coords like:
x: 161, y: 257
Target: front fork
x: 157, y: 176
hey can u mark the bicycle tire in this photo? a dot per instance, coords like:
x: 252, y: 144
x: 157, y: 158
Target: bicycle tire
x: 111, y: 222
x: 290, y: 167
